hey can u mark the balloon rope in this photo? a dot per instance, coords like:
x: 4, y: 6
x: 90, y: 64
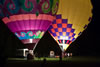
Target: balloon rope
x: 34, y: 47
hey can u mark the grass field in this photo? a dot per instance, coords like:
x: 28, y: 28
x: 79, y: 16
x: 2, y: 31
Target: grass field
x: 37, y: 59
x: 73, y: 59
x: 54, y: 62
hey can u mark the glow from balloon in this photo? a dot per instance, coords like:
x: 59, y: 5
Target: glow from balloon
x: 62, y: 32
x: 72, y: 19
x: 28, y: 19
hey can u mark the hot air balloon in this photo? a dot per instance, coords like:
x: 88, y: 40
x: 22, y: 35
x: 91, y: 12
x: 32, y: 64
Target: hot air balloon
x: 72, y: 19
x: 28, y: 19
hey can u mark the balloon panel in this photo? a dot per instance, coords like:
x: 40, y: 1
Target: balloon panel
x: 74, y: 19
x: 28, y: 26
x: 28, y: 22
x: 29, y: 34
x: 61, y: 29
x: 78, y: 13
x: 62, y: 32
x: 15, y: 7
x: 28, y: 19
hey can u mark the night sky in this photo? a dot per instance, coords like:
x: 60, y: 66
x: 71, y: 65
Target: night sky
x: 87, y: 44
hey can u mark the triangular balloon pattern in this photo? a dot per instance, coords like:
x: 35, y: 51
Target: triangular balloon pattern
x: 62, y: 32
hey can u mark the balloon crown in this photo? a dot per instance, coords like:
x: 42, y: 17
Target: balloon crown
x: 15, y: 7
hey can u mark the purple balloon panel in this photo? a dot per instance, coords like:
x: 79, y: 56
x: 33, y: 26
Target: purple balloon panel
x: 22, y: 24
x: 28, y: 22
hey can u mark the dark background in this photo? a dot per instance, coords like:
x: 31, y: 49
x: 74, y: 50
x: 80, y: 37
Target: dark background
x: 87, y: 44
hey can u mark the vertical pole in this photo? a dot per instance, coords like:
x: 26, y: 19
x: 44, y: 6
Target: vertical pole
x: 63, y: 49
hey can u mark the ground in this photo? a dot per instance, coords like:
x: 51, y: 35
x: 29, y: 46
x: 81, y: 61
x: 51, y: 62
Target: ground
x: 54, y: 62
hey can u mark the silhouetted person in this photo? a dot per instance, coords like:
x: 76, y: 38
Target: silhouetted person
x: 44, y: 62
x: 60, y: 56
x: 29, y: 56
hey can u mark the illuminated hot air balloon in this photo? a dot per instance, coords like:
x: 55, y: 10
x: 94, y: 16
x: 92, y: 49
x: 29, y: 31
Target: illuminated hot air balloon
x: 28, y: 19
x: 72, y: 19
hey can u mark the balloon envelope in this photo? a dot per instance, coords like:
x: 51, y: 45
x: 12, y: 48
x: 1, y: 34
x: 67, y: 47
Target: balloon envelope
x: 28, y: 19
x: 72, y: 19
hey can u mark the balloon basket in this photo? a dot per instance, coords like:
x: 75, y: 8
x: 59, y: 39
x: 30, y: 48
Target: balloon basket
x: 30, y: 55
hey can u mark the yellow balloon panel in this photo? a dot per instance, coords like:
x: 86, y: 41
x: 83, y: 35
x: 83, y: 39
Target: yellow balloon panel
x: 72, y: 19
x: 77, y: 12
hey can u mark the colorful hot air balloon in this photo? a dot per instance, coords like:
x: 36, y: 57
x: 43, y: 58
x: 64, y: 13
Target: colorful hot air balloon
x: 72, y: 18
x: 28, y: 19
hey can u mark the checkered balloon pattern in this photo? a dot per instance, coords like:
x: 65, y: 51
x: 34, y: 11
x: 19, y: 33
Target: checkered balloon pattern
x: 61, y: 31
